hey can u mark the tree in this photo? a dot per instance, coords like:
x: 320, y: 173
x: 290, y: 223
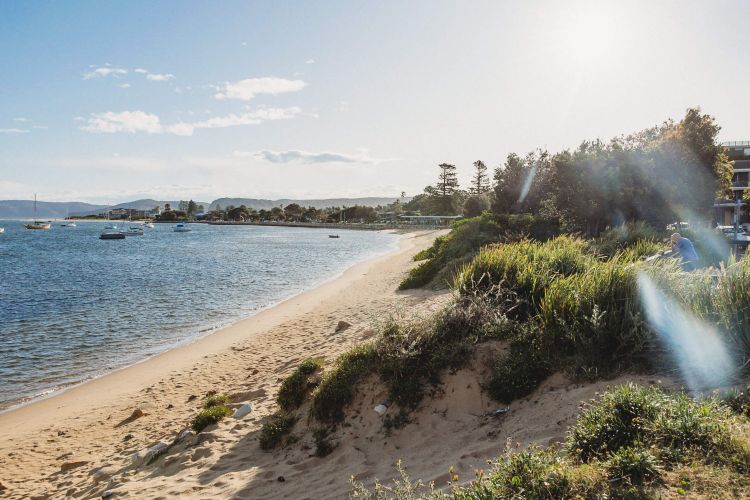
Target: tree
x: 446, y: 186
x: 480, y: 182
x: 192, y: 207
x: 293, y: 211
x: 475, y: 205
x: 508, y: 184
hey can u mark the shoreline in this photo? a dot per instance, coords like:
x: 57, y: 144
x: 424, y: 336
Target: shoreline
x: 206, y: 332
x: 79, y: 442
x: 116, y: 383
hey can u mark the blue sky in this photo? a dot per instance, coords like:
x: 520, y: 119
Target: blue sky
x: 110, y: 101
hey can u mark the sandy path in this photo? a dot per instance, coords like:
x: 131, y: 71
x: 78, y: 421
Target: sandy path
x: 250, y: 358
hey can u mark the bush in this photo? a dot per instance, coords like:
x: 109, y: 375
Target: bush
x: 633, y: 466
x: 517, y: 374
x: 274, y: 431
x: 216, y: 400
x: 683, y: 429
x: 338, y: 387
x: 323, y: 445
x: 294, y: 388
x: 209, y: 416
x: 639, y: 236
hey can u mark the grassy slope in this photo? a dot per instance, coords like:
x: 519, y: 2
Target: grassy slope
x: 564, y: 304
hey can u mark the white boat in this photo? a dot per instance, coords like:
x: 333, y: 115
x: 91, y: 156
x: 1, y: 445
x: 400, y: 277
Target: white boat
x: 37, y: 224
x: 68, y: 224
x: 181, y: 227
x: 134, y: 231
x: 2, y: 230
x: 149, y: 225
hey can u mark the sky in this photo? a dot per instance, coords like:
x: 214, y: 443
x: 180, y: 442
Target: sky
x: 112, y: 101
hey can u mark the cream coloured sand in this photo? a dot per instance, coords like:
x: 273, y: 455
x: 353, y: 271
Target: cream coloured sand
x: 250, y: 356
x: 79, y: 430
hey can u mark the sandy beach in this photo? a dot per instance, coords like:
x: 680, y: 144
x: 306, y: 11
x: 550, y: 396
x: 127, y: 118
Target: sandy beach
x: 81, y: 443
x: 78, y: 428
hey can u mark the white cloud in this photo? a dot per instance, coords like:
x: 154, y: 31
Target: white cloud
x: 104, y: 71
x: 141, y: 71
x: 247, y: 89
x: 310, y: 61
x: 125, y: 86
x: 248, y: 118
x: 140, y: 121
x: 13, y: 131
x: 156, y: 77
x: 293, y: 156
x: 126, y: 121
x: 22, y: 119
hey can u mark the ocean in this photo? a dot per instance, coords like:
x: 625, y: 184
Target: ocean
x: 73, y: 307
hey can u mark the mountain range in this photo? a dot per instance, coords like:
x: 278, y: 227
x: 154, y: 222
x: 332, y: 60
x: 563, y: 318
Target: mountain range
x: 24, y: 209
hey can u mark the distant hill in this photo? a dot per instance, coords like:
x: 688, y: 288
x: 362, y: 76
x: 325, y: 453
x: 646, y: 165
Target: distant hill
x: 148, y: 204
x: 321, y: 203
x: 24, y: 209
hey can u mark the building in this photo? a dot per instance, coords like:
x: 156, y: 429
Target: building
x: 429, y: 220
x: 739, y: 154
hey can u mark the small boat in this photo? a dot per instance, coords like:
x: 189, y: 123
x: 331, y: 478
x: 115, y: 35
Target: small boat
x: 134, y: 231
x: 333, y: 235
x: 37, y: 224
x: 2, y: 230
x: 112, y: 235
x: 68, y: 224
x: 149, y: 225
x: 181, y: 227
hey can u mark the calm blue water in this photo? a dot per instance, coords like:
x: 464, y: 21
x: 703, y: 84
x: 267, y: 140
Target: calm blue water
x: 73, y: 306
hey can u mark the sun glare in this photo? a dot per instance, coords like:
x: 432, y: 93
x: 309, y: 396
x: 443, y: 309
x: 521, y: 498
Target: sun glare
x: 589, y: 34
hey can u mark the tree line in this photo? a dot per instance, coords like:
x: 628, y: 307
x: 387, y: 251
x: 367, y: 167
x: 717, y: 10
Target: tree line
x: 671, y: 172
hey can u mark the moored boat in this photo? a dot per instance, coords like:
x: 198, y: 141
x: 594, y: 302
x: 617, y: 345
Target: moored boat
x: 181, y: 227
x: 37, y: 224
x: 134, y: 231
x: 113, y: 235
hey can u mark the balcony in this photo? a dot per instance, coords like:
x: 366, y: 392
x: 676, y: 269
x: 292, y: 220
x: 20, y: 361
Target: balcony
x: 740, y: 184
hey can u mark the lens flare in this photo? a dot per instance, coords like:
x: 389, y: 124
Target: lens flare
x: 696, y: 347
x: 527, y: 182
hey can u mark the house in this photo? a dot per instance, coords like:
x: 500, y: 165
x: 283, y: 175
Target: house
x: 725, y: 210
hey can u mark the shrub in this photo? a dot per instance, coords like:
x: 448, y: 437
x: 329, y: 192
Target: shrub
x: 273, y: 431
x: 323, y: 445
x: 294, y: 388
x: 633, y: 466
x: 638, y: 236
x: 683, y: 429
x: 209, y: 416
x: 215, y: 400
x: 517, y: 374
x: 338, y: 387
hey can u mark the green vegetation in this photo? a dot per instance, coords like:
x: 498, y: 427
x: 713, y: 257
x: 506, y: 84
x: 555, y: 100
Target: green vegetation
x: 273, y: 432
x: 338, y: 387
x: 323, y: 445
x: 215, y: 400
x: 296, y: 386
x: 209, y: 416
x: 633, y: 442
x: 449, y: 252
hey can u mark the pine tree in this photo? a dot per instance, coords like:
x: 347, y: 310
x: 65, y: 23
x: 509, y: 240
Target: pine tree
x: 480, y: 182
x: 446, y: 186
